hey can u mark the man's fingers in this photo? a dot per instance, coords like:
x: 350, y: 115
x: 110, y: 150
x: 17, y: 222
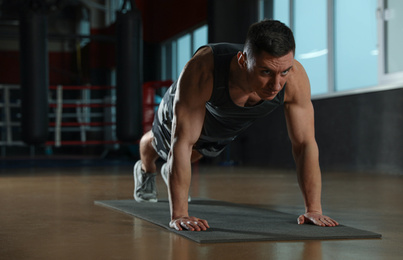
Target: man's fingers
x: 191, y: 224
x: 204, y: 222
x: 319, y: 220
x: 194, y: 225
x: 326, y: 222
x: 316, y: 221
x: 173, y: 224
x: 197, y: 225
x: 334, y: 222
x: 187, y: 225
x: 329, y: 222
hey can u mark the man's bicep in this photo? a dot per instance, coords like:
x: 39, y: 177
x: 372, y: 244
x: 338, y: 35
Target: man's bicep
x: 188, y: 122
x: 298, y: 107
x: 300, y: 122
x: 194, y: 90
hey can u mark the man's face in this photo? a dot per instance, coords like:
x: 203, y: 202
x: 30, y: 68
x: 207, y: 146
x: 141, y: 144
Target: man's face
x: 267, y: 74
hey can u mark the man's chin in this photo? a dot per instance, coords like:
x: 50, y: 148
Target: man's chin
x: 268, y: 97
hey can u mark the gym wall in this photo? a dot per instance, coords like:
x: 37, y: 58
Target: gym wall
x: 360, y: 133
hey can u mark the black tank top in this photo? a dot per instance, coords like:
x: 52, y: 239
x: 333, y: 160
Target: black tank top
x: 224, y: 120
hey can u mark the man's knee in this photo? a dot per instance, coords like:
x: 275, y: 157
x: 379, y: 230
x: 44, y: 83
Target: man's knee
x: 195, y: 156
x: 147, y: 138
x: 146, y: 143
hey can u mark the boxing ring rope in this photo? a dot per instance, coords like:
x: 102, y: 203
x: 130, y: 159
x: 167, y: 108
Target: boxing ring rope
x: 149, y: 104
x: 72, y: 105
x: 69, y: 114
x: 83, y: 117
x: 82, y: 87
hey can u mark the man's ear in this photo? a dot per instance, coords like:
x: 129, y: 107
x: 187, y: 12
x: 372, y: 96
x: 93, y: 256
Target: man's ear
x: 241, y: 56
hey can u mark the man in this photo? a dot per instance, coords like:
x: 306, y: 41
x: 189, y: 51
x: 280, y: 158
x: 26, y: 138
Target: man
x: 219, y: 93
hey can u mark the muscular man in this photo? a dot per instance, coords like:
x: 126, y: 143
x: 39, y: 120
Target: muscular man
x: 221, y: 91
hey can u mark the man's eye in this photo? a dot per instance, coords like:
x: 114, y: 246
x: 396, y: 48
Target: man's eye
x: 285, y: 72
x: 267, y: 72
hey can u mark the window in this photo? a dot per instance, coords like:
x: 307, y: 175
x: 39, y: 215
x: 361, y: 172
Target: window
x: 184, y: 51
x: 391, y: 31
x: 355, y: 44
x: 200, y: 37
x: 281, y: 11
x: 176, y: 52
x: 310, y: 32
x: 341, y: 48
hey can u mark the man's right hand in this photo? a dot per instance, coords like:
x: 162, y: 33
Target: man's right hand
x: 189, y: 223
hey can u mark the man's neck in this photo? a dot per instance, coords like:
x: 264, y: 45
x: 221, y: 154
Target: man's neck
x: 239, y: 89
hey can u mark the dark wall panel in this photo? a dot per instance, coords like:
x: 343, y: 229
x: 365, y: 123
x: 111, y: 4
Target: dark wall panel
x: 361, y: 132
x: 229, y: 20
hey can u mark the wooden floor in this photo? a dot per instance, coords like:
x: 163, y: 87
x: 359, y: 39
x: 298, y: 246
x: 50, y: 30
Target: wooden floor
x: 49, y: 213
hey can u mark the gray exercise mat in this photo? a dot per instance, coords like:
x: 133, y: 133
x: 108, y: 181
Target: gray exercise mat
x: 230, y: 222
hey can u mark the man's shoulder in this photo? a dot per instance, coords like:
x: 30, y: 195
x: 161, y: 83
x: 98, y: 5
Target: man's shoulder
x: 203, y: 60
x: 223, y: 48
x: 298, y: 85
x: 198, y: 74
x: 297, y: 72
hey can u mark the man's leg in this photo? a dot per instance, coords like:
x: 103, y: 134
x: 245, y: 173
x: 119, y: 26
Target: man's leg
x: 195, y: 156
x: 148, y: 155
x: 144, y: 172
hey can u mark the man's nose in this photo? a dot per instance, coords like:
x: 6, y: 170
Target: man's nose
x: 276, y: 83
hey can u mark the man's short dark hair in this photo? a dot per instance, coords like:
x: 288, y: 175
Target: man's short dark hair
x: 271, y: 36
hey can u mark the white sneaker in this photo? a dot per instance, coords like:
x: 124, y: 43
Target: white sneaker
x: 145, y: 189
x: 164, y: 174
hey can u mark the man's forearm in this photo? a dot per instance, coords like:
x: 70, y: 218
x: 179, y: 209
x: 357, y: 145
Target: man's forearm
x: 309, y: 175
x: 179, y: 183
x: 178, y: 193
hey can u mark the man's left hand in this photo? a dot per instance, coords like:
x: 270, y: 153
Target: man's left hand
x: 317, y: 219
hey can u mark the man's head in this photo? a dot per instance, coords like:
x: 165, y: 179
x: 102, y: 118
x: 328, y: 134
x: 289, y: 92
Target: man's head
x: 270, y: 36
x: 268, y: 57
